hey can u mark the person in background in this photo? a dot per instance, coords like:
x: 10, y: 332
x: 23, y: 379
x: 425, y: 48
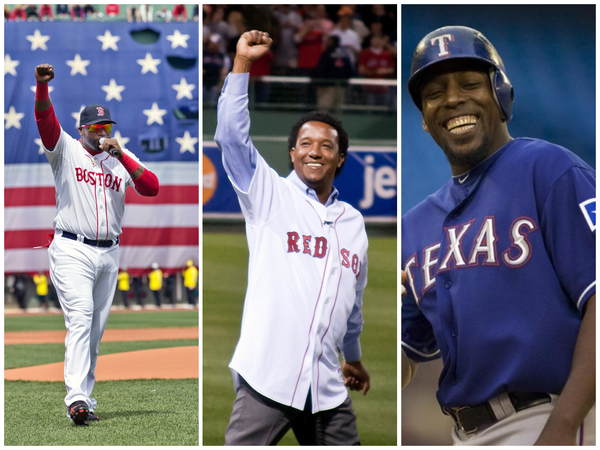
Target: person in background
x: 155, y: 279
x: 112, y: 10
x: 164, y: 14
x: 180, y: 13
x: 62, y: 11
x: 41, y: 289
x: 190, y: 282
x: 46, y: 13
x: 123, y: 285
x: 19, y: 288
x: 146, y: 12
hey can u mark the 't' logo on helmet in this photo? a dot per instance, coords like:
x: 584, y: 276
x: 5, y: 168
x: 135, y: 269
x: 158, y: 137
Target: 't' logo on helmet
x: 442, y: 42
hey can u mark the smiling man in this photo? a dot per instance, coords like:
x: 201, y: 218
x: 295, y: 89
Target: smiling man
x: 499, y: 264
x: 90, y: 178
x: 307, y: 273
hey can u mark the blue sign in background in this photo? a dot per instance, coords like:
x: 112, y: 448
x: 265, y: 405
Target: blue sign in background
x: 368, y: 182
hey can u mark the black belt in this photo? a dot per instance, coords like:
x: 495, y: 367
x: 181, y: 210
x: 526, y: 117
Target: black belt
x: 91, y: 242
x: 471, y: 419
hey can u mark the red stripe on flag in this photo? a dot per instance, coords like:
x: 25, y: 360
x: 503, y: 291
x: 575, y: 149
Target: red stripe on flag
x: 160, y: 236
x: 29, y: 196
x: 44, y: 196
x: 173, y: 195
x: 131, y: 236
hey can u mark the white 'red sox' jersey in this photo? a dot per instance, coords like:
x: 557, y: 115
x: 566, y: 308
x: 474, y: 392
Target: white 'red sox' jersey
x: 90, y: 189
x: 307, y: 271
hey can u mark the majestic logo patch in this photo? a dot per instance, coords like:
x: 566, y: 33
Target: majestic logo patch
x: 589, y: 212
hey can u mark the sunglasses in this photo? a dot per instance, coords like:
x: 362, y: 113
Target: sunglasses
x: 97, y: 127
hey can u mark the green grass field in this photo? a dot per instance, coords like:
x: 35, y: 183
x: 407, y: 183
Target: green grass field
x: 132, y: 412
x: 225, y: 258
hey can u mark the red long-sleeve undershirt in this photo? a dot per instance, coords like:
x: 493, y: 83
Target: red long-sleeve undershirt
x: 49, y: 128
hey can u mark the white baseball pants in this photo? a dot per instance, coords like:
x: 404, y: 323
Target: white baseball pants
x: 85, y: 278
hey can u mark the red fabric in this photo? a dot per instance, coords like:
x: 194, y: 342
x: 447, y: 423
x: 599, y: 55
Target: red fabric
x: 147, y: 184
x: 48, y: 126
x: 112, y: 9
x: 262, y: 66
x: 180, y: 9
x: 130, y: 164
x: 46, y: 10
x: 41, y: 92
x: 373, y: 61
x: 310, y: 49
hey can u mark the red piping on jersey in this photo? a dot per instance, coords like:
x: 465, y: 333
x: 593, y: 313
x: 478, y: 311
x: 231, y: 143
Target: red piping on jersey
x: 104, y: 191
x: 337, y: 291
x: 315, y: 310
x: 313, y: 317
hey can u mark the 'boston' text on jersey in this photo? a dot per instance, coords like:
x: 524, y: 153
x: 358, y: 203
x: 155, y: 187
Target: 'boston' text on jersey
x: 83, y: 175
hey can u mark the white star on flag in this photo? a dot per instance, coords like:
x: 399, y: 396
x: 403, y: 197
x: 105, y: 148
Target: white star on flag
x: 155, y: 114
x: 77, y: 115
x: 50, y: 89
x: 78, y: 65
x: 108, y: 41
x: 38, y: 142
x: 37, y: 40
x: 10, y: 65
x: 177, y: 39
x: 13, y: 118
x: 187, y: 143
x: 113, y: 90
x: 120, y: 139
x: 183, y: 89
x: 148, y: 64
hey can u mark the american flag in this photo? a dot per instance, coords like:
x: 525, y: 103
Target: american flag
x: 147, y: 74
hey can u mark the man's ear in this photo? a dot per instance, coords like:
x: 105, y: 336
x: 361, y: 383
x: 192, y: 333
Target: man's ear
x: 292, y: 151
x: 424, y: 125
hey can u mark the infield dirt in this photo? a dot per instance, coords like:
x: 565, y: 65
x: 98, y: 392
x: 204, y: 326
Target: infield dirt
x: 170, y: 363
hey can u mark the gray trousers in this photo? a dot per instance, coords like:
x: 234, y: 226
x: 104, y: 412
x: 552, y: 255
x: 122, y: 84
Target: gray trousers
x: 257, y: 420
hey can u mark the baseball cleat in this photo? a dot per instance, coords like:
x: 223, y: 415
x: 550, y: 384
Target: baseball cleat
x: 79, y: 413
x: 93, y: 417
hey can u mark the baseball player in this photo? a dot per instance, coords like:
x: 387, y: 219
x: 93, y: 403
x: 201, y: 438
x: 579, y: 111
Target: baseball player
x: 307, y: 273
x: 90, y: 180
x: 499, y: 264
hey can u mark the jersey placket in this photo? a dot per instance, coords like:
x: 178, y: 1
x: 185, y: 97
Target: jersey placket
x: 445, y: 287
x: 332, y: 274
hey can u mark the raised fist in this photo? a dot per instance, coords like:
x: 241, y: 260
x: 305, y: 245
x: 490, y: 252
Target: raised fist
x: 253, y: 44
x: 44, y: 73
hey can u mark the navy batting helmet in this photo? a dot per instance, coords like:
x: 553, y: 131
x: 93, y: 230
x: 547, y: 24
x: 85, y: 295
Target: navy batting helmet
x: 455, y: 42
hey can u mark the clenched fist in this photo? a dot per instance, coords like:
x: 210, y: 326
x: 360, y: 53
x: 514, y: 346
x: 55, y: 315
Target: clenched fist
x: 44, y: 73
x: 251, y: 46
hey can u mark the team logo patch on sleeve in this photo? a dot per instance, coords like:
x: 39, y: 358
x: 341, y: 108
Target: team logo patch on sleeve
x: 589, y: 212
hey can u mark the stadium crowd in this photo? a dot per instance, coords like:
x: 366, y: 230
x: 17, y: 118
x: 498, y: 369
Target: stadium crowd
x: 331, y: 42
x: 80, y: 13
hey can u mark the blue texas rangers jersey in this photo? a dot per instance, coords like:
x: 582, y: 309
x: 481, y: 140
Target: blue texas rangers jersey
x: 500, y: 264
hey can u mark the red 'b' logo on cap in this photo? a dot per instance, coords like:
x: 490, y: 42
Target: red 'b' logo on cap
x: 100, y: 110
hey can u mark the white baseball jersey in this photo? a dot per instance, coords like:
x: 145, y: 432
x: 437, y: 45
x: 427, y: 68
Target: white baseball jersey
x: 90, y: 189
x: 307, y: 272
x: 90, y: 202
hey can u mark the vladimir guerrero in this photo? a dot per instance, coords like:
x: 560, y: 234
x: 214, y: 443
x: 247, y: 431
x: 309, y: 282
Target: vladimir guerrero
x: 90, y: 180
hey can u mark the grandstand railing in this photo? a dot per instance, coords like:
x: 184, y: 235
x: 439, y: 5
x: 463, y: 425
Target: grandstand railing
x: 297, y: 93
